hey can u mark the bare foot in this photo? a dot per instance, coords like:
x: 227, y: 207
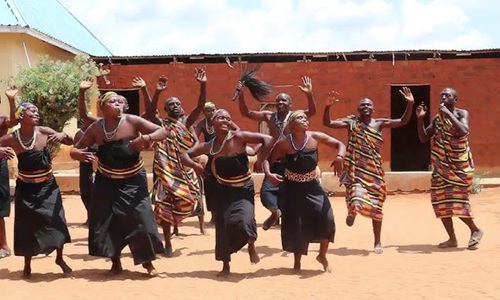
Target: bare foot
x: 451, y: 243
x: 254, y: 257
x: 475, y: 238
x: 151, y: 269
x: 224, y: 273
x: 64, y: 267
x: 168, y: 251
x: 296, y: 267
x: 350, y: 220
x: 324, y: 262
x: 26, y: 273
x: 378, y: 249
x: 116, y: 269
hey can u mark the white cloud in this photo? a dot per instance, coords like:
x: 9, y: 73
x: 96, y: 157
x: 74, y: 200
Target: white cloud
x: 148, y: 27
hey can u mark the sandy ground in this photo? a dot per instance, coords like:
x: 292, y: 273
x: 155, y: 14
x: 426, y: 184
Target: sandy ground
x: 410, y: 268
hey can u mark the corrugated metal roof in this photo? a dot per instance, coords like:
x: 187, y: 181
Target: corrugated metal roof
x: 333, y: 53
x: 52, y: 19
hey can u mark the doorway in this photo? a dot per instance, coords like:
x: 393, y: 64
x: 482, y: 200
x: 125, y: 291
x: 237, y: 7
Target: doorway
x: 407, y: 152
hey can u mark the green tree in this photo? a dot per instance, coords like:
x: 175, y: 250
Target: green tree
x: 53, y: 87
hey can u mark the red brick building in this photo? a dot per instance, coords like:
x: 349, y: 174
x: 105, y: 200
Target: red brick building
x: 377, y: 75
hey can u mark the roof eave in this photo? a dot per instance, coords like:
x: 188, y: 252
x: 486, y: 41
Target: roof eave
x: 41, y: 36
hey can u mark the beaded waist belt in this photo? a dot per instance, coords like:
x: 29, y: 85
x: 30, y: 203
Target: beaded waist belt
x: 120, y: 173
x: 35, y: 176
x: 298, y: 177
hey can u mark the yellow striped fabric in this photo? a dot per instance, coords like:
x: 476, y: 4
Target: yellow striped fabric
x: 363, y: 175
x: 452, y: 171
x: 120, y: 173
x: 176, y: 192
x: 35, y: 176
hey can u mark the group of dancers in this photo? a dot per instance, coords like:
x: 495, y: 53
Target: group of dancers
x: 123, y: 212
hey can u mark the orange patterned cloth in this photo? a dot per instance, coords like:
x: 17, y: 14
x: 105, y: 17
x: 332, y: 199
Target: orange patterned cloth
x: 452, y: 171
x: 176, y: 193
x: 363, y: 175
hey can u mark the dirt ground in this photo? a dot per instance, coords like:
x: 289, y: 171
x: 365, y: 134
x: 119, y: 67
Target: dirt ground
x: 410, y: 268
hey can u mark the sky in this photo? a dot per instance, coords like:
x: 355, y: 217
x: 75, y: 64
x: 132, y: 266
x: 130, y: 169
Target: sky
x: 166, y: 27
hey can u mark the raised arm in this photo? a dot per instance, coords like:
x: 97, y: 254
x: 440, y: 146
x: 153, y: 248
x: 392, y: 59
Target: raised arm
x: 82, y: 106
x: 424, y: 133
x: 56, y: 137
x: 405, y: 119
x: 233, y: 126
x: 334, y: 143
x: 201, y: 77
x: 11, y: 94
x: 257, y: 138
x: 307, y: 88
x: 261, y: 116
x: 79, y: 151
x: 195, y: 151
x: 152, y: 106
x: 141, y: 84
x: 339, y: 123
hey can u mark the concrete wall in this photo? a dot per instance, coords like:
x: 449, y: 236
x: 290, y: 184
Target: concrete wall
x: 475, y: 79
x: 13, y: 57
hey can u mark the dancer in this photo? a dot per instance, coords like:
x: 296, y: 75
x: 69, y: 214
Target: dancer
x: 235, y: 212
x: 86, y: 169
x: 6, y: 153
x: 452, y: 166
x: 205, y: 127
x: 177, y: 191
x: 39, y: 221
x: 276, y: 122
x: 307, y: 214
x: 363, y: 175
x: 120, y: 211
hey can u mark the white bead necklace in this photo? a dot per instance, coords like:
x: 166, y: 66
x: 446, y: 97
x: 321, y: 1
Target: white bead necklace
x: 212, y: 152
x: 303, y: 145
x: 29, y: 145
x: 209, y: 129
x: 110, y: 134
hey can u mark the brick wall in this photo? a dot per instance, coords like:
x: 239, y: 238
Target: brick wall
x: 476, y: 80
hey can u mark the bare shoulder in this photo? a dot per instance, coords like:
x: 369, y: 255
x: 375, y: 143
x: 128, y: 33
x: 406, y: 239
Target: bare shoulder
x: 462, y: 113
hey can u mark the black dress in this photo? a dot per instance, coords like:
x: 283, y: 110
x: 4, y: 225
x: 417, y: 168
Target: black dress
x: 120, y: 212
x: 4, y: 189
x: 209, y: 181
x: 235, y: 219
x: 307, y: 215
x: 39, y: 222
x: 86, y: 180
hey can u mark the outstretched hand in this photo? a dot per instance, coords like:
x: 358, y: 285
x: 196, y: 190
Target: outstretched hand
x: 332, y: 98
x: 6, y: 153
x: 161, y: 84
x: 86, y: 84
x: 275, y: 179
x: 57, y: 137
x: 338, y: 166
x: 138, y: 82
x: 421, y: 110
x: 307, y: 86
x: 11, y: 93
x: 200, y: 75
x: 407, y: 95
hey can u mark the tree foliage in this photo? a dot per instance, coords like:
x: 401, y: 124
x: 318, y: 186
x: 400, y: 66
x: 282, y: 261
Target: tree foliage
x: 53, y: 87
